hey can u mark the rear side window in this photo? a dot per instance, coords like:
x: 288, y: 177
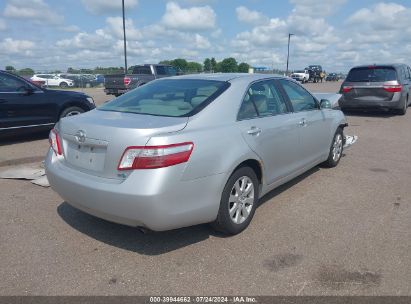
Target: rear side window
x: 166, y: 70
x: 372, y: 74
x: 145, y: 70
x: 169, y: 97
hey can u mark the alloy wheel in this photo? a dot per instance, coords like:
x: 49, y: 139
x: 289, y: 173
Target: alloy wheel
x: 241, y: 200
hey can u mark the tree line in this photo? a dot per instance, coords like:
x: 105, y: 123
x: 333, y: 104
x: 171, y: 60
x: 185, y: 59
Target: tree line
x: 210, y: 65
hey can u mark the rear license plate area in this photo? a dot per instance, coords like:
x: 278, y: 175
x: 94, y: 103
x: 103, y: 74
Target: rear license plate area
x: 86, y: 156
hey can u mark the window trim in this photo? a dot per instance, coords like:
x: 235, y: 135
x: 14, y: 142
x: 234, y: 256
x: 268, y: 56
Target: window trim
x: 289, y: 100
x: 274, y: 80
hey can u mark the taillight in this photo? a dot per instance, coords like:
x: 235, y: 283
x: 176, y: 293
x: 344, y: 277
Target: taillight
x: 127, y: 81
x: 55, y: 143
x: 347, y: 89
x: 153, y: 157
x: 393, y: 88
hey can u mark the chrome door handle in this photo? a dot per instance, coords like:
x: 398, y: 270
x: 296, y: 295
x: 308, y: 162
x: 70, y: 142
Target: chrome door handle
x: 254, y: 131
x: 303, y: 122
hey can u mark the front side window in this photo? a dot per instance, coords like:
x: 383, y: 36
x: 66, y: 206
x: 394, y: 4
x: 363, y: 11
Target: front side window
x: 300, y: 99
x: 11, y: 84
x: 169, y: 97
x: 262, y: 99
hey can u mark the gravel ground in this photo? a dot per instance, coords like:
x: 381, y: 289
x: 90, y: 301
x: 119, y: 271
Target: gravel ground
x: 341, y: 231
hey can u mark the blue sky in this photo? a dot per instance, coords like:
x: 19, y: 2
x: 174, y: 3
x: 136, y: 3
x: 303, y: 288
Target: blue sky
x: 47, y: 35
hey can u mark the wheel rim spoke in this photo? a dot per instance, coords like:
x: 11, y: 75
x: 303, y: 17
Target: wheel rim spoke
x: 241, y: 200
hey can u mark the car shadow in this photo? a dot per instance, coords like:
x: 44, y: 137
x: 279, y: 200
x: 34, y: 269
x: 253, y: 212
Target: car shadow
x: 17, y: 139
x: 370, y: 113
x: 131, y: 238
x: 273, y: 193
x: 151, y: 243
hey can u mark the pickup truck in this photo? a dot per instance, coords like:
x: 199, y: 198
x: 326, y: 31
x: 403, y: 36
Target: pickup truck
x: 118, y: 84
x: 302, y: 76
x: 316, y: 73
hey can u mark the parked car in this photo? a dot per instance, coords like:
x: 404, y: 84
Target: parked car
x: 26, y: 107
x: 192, y: 149
x: 100, y: 79
x: 332, y: 77
x: 81, y: 80
x: 377, y: 86
x: 118, y: 84
x: 301, y: 76
x: 53, y: 80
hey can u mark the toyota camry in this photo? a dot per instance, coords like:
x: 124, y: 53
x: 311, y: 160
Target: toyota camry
x: 192, y: 149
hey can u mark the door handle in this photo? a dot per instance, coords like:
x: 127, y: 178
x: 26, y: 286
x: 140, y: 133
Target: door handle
x: 254, y: 131
x: 302, y: 122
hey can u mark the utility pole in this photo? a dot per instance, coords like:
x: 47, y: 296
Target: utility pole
x: 288, y: 54
x: 125, y: 40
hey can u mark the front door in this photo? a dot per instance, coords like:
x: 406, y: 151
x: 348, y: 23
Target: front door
x: 314, y: 126
x: 270, y: 129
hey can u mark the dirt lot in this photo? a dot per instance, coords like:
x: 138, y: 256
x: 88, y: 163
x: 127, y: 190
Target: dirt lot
x: 342, y: 231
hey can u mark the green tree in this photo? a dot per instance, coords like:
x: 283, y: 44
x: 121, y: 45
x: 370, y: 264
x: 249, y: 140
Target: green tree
x: 26, y: 72
x: 10, y: 68
x: 243, y: 67
x: 180, y: 63
x: 229, y: 65
x: 207, y: 65
x: 194, y: 67
x: 213, y: 65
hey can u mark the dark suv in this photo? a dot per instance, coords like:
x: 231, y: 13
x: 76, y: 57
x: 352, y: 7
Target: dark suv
x: 26, y: 107
x: 377, y: 86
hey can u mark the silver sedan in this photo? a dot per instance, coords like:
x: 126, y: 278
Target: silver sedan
x: 192, y: 149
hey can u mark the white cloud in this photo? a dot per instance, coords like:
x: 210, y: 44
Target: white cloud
x: 70, y: 28
x: 115, y: 26
x: 11, y: 46
x: 316, y: 8
x: 35, y: 10
x: 189, y: 19
x: 249, y: 16
x: 107, y: 6
x: 201, y: 42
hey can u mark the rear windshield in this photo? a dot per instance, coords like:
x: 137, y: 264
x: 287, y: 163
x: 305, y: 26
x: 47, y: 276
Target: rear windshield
x: 372, y: 74
x: 174, y: 98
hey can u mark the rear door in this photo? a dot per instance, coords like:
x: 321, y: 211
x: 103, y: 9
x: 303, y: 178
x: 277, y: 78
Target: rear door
x: 270, y: 130
x: 313, y: 125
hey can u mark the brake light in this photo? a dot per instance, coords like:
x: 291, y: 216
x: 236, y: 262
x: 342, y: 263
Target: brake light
x: 55, y: 142
x: 393, y: 88
x: 347, y: 89
x: 127, y: 81
x: 153, y: 157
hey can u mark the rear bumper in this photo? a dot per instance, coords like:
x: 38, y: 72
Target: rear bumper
x: 157, y: 199
x: 369, y: 104
x: 115, y: 91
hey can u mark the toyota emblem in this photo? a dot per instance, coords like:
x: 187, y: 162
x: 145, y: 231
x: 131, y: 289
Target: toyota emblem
x: 80, y: 136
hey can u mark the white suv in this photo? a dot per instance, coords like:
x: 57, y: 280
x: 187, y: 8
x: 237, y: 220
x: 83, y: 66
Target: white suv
x: 53, y: 80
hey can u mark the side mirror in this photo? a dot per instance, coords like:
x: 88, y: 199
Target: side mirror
x: 325, y: 104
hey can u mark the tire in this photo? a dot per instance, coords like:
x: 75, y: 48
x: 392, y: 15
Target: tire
x: 63, y: 85
x: 403, y: 110
x: 238, y: 220
x: 71, y: 111
x: 336, y: 149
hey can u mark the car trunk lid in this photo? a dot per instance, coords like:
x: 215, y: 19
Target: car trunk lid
x: 95, y: 141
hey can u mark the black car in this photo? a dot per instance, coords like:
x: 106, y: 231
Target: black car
x: 26, y: 107
x: 386, y: 86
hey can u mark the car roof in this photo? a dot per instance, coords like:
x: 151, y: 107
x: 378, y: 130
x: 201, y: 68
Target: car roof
x: 227, y: 76
x: 391, y: 65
